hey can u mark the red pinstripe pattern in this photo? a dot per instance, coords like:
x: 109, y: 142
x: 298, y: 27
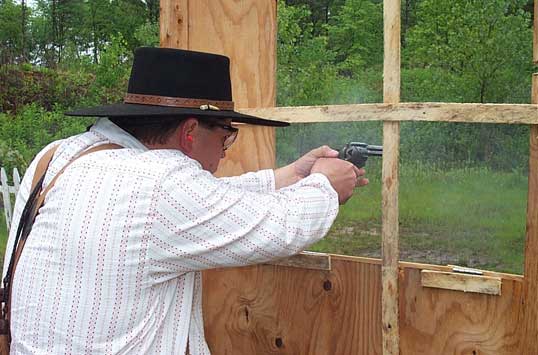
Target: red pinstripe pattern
x: 102, y: 250
x: 119, y: 307
x: 76, y: 297
x: 112, y: 264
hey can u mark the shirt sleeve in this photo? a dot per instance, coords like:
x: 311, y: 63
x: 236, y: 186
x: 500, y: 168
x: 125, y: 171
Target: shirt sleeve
x: 204, y: 222
x: 259, y: 181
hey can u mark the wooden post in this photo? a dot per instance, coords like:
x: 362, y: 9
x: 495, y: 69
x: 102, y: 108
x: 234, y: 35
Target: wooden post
x: 530, y: 315
x: 391, y: 145
x: 245, y: 31
x: 174, y: 31
x: 529, y: 344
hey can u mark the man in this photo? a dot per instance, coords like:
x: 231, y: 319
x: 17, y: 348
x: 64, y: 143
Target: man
x: 112, y: 263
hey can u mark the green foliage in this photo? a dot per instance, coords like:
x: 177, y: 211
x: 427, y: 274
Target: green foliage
x: 10, y: 31
x: 322, y: 12
x: 147, y: 34
x: 356, y: 35
x: 484, y: 45
x: 465, y: 144
x: 305, y: 74
x: 24, y: 134
x: 24, y: 84
x: 112, y: 72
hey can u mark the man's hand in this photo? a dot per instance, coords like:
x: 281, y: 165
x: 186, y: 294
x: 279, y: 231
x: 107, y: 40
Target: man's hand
x: 304, y: 164
x: 301, y: 168
x: 343, y: 176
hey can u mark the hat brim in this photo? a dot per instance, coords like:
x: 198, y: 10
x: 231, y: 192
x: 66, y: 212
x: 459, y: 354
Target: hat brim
x: 135, y: 110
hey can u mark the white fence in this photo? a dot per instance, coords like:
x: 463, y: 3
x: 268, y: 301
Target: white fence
x: 6, y: 190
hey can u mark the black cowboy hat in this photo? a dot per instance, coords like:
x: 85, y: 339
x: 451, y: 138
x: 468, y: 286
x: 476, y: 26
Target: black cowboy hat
x: 168, y: 82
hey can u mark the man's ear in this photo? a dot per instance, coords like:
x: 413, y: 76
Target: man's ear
x: 187, y: 131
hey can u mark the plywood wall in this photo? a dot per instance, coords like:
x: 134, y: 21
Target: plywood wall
x: 270, y: 309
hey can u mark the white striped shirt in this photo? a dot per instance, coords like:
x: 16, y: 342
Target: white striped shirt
x: 112, y: 265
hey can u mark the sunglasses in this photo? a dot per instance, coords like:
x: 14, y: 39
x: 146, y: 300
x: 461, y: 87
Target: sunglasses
x: 230, y: 138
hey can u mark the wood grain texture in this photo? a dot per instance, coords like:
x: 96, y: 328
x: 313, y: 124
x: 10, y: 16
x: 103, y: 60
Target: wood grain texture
x: 391, y: 53
x: 245, y: 31
x: 530, y: 334
x: 409, y: 111
x: 173, y: 29
x: 279, y: 310
x: 391, y: 152
x: 306, y: 260
x: 461, y: 282
x: 389, y: 233
x: 435, y: 321
x: 268, y: 309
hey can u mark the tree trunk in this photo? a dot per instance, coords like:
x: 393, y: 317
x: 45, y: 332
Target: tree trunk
x: 23, y: 31
x: 93, y: 10
x: 53, y: 15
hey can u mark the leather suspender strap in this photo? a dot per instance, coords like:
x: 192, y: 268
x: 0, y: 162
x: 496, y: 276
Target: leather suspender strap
x: 31, y: 209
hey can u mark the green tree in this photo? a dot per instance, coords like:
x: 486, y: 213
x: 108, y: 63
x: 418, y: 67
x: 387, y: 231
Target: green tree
x: 468, y: 51
x: 306, y: 75
x: 10, y: 32
x: 97, y: 26
x: 483, y: 45
x: 321, y: 12
x: 357, y: 36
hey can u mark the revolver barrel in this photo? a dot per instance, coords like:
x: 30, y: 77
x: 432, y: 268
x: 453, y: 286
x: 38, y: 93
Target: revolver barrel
x: 374, y: 150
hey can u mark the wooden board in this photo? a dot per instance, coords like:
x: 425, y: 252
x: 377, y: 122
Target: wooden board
x: 390, y: 240
x: 173, y: 29
x: 530, y: 324
x: 409, y: 111
x: 435, y: 321
x: 280, y: 310
x: 461, y: 282
x: 245, y: 31
x: 306, y: 260
x: 390, y: 250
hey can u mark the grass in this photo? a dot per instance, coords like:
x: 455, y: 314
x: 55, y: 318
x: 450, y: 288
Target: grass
x: 469, y: 216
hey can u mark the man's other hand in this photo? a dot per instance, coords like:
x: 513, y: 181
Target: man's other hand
x: 343, y: 176
x: 303, y: 165
x: 301, y: 168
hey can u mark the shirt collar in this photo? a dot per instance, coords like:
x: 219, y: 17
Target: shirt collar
x: 116, y: 135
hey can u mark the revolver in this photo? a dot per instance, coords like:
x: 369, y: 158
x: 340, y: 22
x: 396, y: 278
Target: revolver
x: 357, y: 153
